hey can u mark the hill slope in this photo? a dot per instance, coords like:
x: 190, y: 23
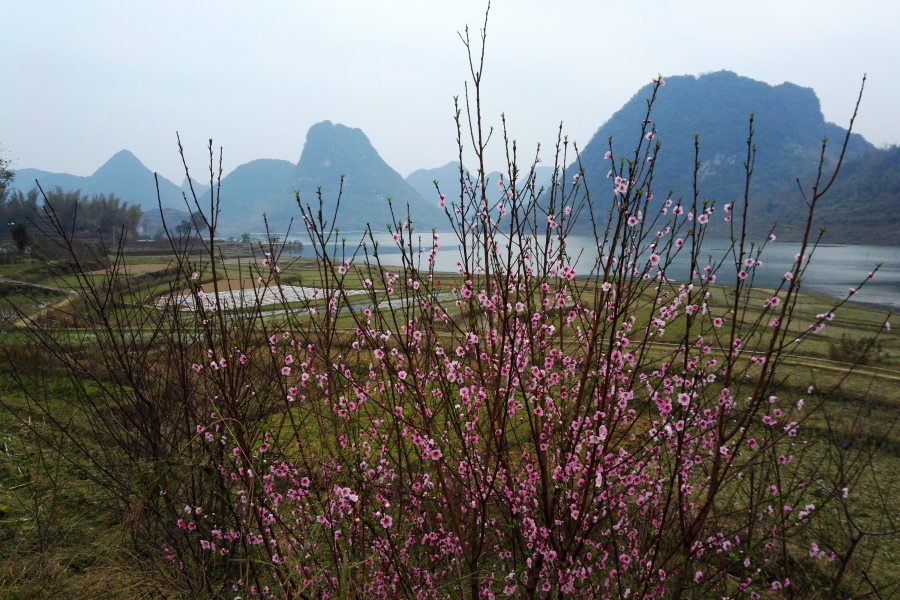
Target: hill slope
x: 123, y: 175
x: 861, y: 206
x: 268, y: 185
x: 787, y: 119
x: 448, y: 178
x: 422, y: 180
x: 257, y: 187
x: 334, y: 149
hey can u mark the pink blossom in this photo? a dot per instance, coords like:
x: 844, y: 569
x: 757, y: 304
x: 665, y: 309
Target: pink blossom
x: 476, y: 372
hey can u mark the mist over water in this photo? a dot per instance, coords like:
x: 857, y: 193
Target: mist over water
x: 834, y: 268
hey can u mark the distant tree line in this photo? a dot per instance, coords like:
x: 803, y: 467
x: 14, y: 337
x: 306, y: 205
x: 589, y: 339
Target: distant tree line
x: 83, y: 216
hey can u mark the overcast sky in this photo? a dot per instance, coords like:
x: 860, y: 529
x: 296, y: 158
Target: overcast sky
x: 83, y: 80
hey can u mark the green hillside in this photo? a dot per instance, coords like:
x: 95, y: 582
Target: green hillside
x: 789, y: 129
x: 861, y: 206
x: 257, y: 187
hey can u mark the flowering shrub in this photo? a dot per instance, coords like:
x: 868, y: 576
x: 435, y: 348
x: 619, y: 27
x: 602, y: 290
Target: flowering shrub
x: 517, y: 428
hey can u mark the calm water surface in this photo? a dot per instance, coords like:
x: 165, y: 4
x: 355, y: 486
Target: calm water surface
x: 835, y: 268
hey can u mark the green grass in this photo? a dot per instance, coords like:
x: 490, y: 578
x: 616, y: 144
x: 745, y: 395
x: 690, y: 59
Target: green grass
x: 60, y: 536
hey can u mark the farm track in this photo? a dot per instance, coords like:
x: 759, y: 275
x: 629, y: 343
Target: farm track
x: 812, y: 362
x: 66, y: 291
x: 21, y: 322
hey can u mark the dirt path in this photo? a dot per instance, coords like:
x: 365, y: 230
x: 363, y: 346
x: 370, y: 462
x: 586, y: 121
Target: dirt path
x: 136, y: 269
x: 23, y: 321
x: 814, y: 362
x: 38, y: 286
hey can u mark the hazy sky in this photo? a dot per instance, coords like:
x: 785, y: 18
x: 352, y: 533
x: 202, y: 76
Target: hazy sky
x: 82, y: 80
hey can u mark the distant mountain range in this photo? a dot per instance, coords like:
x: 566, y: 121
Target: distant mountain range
x: 334, y: 150
x: 447, y: 176
x: 123, y: 175
x: 787, y: 119
x: 789, y: 128
x: 448, y: 179
x: 269, y: 186
x: 257, y: 187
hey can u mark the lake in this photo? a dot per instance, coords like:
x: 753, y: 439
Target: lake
x: 835, y: 268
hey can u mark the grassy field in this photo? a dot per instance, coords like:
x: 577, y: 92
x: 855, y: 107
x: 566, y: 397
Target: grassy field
x: 60, y: 538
